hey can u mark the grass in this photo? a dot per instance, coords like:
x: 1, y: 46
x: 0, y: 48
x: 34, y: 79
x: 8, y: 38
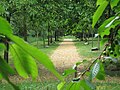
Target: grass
x: 85, y: 50
x: 46, y: 85
x: 111, y: 83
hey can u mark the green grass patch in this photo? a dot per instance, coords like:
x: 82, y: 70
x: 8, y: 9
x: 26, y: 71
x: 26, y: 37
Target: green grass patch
x: 85, y: 50
x: 28, y: 85
x: 108, y: 86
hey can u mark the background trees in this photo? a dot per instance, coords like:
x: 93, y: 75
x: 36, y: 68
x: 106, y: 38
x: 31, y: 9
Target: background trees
x: 49, y: 19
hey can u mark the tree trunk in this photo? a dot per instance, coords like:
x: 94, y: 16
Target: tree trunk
x: 48, y: 34
x: 55, y: 35
x: 51, y: 40
x: 6, y: 52
x: 6, y: 42
x: 43, y: 34
x: 37, y: 36
x: 25, y: 27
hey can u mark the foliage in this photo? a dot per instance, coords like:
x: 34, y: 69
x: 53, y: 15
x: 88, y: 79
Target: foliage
x: 25, y: 63
x: 96, y: 69
x: 45, y: 18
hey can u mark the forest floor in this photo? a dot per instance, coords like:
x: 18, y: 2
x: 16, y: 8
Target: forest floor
x: 66, y: 55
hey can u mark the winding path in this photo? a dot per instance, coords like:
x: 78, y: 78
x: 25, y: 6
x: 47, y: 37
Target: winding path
x: 66, y: 55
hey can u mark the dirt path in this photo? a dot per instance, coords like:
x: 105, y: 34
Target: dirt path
x: 66, y: 55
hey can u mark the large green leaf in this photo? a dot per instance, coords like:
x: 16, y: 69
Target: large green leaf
x: 35, y: 53
x: 2, y: 46
x: 5, y: 27
x: 114, y: 3
x: 5, y: 67
x: 99, y: 2
x: 105, y: 28
x: 71, y: 86
x: 99, y: 12
x: 106, y: 22
x: 5, y: 70
x: 24, y: 63
x: 60, y: 86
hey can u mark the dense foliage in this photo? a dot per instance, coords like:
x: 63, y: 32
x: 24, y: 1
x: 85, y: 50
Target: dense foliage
x: 52, y: 18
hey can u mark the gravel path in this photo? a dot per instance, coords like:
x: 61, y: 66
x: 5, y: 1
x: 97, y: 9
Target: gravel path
x: 66, y: 55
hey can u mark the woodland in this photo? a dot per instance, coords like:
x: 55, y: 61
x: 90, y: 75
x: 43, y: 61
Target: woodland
x: 29, y: 27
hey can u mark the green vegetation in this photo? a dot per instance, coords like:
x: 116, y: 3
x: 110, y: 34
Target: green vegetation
x: 47, y: 21
x: 88, y: 53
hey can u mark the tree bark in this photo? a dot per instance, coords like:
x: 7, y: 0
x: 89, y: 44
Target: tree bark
x: 55, y: 35
x: 6, y: 52
x: 48, y: 34
x: 6, y: 42
x: 25, y: 27
x: 51, y: 40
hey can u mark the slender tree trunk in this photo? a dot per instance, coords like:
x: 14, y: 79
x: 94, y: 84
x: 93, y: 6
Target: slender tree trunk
x: 48, y: 34
x: 55, y: 35
x: 92, y: 37
x: 6, y: 52
x: 98, y: 42
x: 51, y: 38
x: 25, y: 27
x: 6, y: 42
x: 43, y: 38
x: 37, y: 36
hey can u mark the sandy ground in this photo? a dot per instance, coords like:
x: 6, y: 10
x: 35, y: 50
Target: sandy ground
x: 66, y: 55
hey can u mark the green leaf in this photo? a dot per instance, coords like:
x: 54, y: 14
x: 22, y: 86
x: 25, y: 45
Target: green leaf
x: 90, y: 85
x: 68, y: 72
x: 109, y: 24
x: 24, y: 63
x: 95, y: 70
x: 78, y: 63
x: 85, y: 85
x: 69, y: 85
x: 99, y: 12
x: 5, y: 70
x: 102, y: 28
x: 106, y: 30
x: 4, y: 75
x: 101, y: 73
x: 99, y: 2
x: 2, y: 46
x: 80, y: 85
x: 103, y: 41
x: 5, y: 27
x: 114, y: 3
x: 60, y: 86
x: 36, y: 53
x: 106, y: 22
x: 117, y: 50
x: 5, y: 67
x: 2, y: 10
